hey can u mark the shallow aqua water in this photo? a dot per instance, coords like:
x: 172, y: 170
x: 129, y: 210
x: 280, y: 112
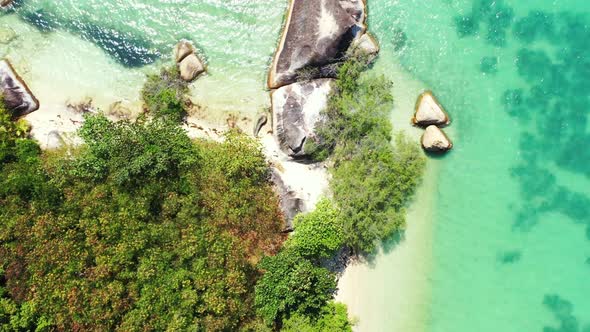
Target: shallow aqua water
x: 511, y: 243
x: 512, y: 221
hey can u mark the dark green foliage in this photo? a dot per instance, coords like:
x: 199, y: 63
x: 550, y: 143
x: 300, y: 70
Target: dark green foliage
x: 145, y: 230
x: 164, y: 95
x: 372, y: 178
x: 333, y: 318
x: 292, y: 285
x: 319, y: 233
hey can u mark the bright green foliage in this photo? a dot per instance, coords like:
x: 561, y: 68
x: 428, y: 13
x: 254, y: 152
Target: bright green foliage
x: 129, y: 152
x: 318, y: 234
x: 333, y: 318
x: 292, y: 285
x: 372, y: 178
x: 140, y: 230
x: 164, y: 95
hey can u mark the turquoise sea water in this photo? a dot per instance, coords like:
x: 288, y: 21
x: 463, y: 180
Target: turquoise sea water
x: 511, y: 223
x: 511, y: 238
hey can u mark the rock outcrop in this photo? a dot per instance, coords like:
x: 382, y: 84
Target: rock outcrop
x: 296, y: 110
x: 290, y: 204
x: 19, y: 100
x: 189, y: 64
x: 429, y: 111
x: 261, y: 122
x: 317, y: 33
x: 366, y: 45
x: 435, y: 140
x: 6, y: 3
x: 54, y: 140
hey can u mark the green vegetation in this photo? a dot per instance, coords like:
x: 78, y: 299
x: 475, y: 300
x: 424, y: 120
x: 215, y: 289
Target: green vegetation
x: 318, y: 234
x: 333, y: 317
x: 138, y: 229
x: 292, y: 284
x: 164, y: 95
x: 372, y: 179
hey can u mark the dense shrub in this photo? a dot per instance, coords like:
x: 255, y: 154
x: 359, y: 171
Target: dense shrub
x: 292, y: 285
x: 319, y: 233
x: 146, y: 231
x: 333, y: 318
x: 164, y: 95
x: 372, y: 178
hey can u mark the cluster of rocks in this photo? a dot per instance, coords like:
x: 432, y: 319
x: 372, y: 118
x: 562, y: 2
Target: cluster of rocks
x: 317, y: 36
x: 189, y: 63
x: 17, y: 97
x: 430, y: 114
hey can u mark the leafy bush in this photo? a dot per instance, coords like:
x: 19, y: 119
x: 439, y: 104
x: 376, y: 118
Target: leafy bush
x: 131, y: 152
x: 333, y: 317
x: 291, y: 285
x: 139, y: 229
x: 164, y: 95
x: 318, y: 234
x: 372, y: 179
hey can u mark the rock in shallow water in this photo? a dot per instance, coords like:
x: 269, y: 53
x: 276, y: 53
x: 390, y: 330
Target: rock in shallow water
x: 19, y: 100
x: 429, y: 111
x: 191, y: 67
x: 182, y: 50
x: 435, y: 140
x: 5, y: 3
x: 318, y: 32
x: 296, y: 111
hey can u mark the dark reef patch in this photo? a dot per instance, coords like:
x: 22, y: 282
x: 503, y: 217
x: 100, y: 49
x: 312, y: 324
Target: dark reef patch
x: 489, y: 65
x: 509, y: 257
x: 126, y: 48
x: 563, y: 312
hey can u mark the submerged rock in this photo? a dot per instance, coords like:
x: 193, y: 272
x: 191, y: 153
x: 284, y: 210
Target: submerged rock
x: 191, y: 67
x: 435, y: 140
x: 296, y: 110
x: 19, y: 100
x: 429, y: 111
x: 7, y: 35
x: 317, y: 33
x: 5, y: 3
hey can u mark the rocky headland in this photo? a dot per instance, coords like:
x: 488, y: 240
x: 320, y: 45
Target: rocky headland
x: 16, y: 95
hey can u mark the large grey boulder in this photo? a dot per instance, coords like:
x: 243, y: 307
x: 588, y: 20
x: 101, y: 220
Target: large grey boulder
x: 296, y: 110
x: 17, y: 97
x: 429, y: 111
x: 317, y: 34
x: 435, y: 140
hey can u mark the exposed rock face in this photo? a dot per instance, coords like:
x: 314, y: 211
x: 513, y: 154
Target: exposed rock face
x: 19, y: 100
x: 189, y: 64
x: 191, y: 67
x: 290, y: 204
x: 55, y: 140
x: 296, y: 110
x: 317, y: 33
x: 261, y: 122
x: 366, y: 45
x: 435, y: 140
x: 429, y: 111
x: 182, y: 50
